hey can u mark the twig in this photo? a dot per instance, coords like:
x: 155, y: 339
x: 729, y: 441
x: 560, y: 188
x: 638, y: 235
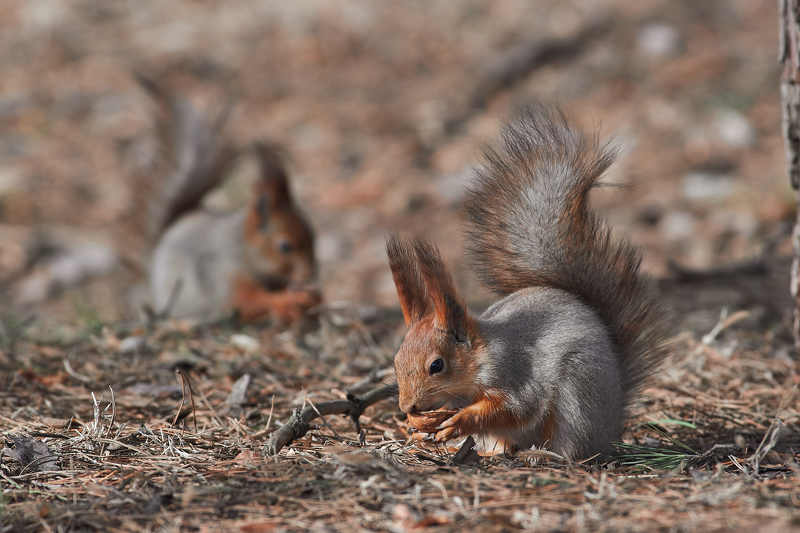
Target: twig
x: 757, y: 265
x: 71, y: 372
x: 265, y: 430
x: 724, y: 323
x: 113, y: 412
x: 772, y: 435
x: 298, y: 424
x: 111, y: 423
x: 322, y: 417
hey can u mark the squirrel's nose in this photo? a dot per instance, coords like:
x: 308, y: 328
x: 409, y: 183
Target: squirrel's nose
x: 408, y: 407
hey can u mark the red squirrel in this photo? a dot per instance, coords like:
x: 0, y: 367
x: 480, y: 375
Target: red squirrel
x: 557, y: 361
x: 258, y: 261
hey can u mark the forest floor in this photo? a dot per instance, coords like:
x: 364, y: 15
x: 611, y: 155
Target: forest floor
x: 163, y: 427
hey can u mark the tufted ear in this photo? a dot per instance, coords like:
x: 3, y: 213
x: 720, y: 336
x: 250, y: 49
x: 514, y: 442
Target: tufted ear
x: 450, y: 314
x: 407, y: 280
x: 272, y: 187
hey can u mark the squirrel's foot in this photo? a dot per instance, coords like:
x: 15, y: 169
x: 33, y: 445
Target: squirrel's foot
x: 293, y: 304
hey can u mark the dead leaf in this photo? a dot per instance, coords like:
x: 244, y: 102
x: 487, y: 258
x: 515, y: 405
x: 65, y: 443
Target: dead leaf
x: 32, y: 455
x: 238, y: 395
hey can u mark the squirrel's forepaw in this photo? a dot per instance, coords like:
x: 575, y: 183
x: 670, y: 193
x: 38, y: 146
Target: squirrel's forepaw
x: 446, y: 434
x: 450, y: 428
x: 295, y: 304
x: 303, y: 299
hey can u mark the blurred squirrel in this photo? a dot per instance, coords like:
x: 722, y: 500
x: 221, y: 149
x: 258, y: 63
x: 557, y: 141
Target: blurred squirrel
x: 556, y: 362
x: 258, y: 261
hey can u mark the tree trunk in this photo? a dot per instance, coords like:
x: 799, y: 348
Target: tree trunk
x: 789, y: 56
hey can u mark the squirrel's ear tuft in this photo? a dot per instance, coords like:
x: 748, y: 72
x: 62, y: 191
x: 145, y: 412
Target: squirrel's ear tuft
x: 273, y: 183
x: 450, y: 314
x: 407, y: 280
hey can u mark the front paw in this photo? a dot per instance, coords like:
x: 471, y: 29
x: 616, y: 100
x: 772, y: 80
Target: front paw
x: 295, y: 303
x: 446, y: 434
x: 451, y: 428
x: 305, y: 298
x: 429, y: 421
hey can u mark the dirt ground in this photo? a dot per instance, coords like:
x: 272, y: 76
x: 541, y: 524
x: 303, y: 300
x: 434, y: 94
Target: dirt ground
x: 112, y: 423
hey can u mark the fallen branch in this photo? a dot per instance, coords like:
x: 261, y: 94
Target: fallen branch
x: 299, y: 423
x: 754, y: 266
x: 516, y: 63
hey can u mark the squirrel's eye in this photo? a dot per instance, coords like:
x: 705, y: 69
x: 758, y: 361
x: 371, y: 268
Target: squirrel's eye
x: 437, y: 366
x: 285, y: 246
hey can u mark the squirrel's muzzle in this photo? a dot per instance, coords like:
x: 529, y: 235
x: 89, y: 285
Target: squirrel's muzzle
x: 407, y: 405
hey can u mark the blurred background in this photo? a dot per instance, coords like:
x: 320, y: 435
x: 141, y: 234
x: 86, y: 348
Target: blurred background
x: 383, y: 108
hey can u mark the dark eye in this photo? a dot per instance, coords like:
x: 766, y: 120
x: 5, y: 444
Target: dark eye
x: 437, y: 366
x: 285, y: 247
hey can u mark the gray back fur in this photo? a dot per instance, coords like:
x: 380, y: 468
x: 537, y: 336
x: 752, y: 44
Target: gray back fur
x: 557, y: 357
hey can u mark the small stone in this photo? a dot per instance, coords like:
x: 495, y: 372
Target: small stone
x: 733, y: 129
x: 130, y: 345
x: 658, y: 40
x: 677, y: 225
x: 245, y: 343
x: 707, y: 186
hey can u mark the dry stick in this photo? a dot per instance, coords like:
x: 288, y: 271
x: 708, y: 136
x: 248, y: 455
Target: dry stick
x: 178, y: 414
x: 299, y: 423
x: 757, y: 265
x: 518, y: 62
x: 185, y: 383
x: 113, y: 412
x: 771, y: 437
x: 111, y: 423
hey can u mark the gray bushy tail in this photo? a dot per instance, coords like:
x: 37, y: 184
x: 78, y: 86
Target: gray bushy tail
x: 197, y: 154
x: 530, y: 225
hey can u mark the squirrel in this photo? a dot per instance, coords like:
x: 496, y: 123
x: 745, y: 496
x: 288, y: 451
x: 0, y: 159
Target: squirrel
x: 257, y: 262
x: 558, y: 360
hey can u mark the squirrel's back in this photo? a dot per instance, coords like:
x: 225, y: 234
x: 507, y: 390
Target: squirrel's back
x: 194, y: 264
x: 530, y: 226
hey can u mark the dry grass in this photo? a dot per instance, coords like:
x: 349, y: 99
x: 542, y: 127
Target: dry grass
x: 715, y: 445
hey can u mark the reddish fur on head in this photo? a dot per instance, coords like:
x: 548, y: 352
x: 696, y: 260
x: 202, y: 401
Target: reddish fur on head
x: 439, y: 328
x: 279, y: 241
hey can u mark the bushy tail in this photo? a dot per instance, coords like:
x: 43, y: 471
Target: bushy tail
x: 195, y: 151
x: 530, y: 225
